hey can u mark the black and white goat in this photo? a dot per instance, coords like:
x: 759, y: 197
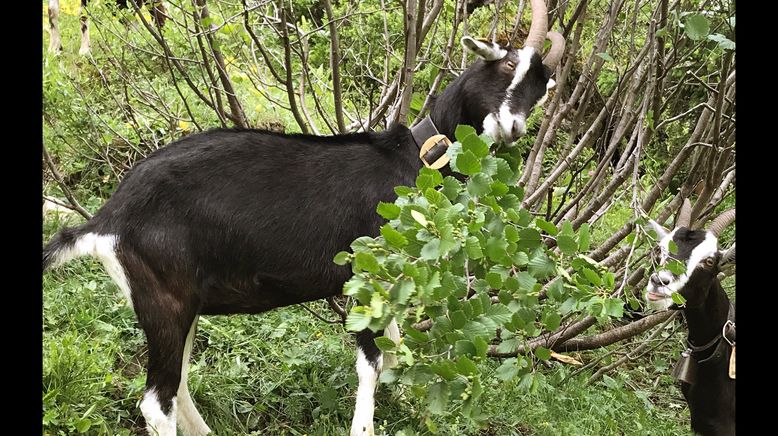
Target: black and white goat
x: 243, y: 221
x: 706, y: 373
x: 157, y: 9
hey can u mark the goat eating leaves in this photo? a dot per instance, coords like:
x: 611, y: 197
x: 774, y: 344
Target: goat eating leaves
x: 244, y: 221
x: 706, y: 368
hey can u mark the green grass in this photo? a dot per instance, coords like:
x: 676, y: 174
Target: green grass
x: 288, y: 373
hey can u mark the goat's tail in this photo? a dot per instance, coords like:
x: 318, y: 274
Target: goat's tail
x: 69, y: 243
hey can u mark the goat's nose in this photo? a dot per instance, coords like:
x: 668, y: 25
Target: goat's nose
x: 518, y: 130
x: 658, y: 280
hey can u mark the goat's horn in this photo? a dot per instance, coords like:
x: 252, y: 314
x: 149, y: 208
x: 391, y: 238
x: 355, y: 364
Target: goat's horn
x: 685, y: 215
x: 728, y: 256
x: 539, y: 26
x: 556, y: 51
x: 722, y: 222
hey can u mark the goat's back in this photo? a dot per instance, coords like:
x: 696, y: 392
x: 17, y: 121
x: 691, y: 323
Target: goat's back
x: 238, y: 210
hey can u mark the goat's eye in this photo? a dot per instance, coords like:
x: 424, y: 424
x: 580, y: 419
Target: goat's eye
x: 709, y: 262
x: 510, y: 65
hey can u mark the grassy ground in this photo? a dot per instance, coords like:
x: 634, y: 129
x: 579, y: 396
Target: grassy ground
x: 288, y: 373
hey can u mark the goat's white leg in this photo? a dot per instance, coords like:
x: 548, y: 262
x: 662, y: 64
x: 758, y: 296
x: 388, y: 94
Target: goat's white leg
x: 190, y: 421
x: 85, y: 45
x: 368, y: 371
x: 55, y: 42
x: 158, y: 423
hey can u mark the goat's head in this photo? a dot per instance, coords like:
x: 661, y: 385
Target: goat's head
x: 698, y: 253
x: 505, y: 84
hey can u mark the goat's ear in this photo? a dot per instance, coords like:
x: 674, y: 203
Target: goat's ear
x: 661, y: 232
x: 487, y: 51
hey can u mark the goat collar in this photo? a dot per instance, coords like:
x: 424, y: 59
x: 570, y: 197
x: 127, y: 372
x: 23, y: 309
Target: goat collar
x: 432, y: 144
x: 727, y: 332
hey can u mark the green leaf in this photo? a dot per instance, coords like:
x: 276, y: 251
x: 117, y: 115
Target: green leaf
x: 526, y: 281
x: 419, y: 217
x: 499, y: 313
x: 495, y: 248
x: 678, y: 299
x: 529, y: 239
x: 444, y: 368
x: 499, y: 188
x: 606, y: 57
x: 393, y: 237
x: 384, y: 344
x: 583, y: 238
x: 552, y: 321
x: 494, y: 279
x: 437, y: 397
x: 467, y: 163
x: 466, y: 366
x: 402, y: 191
x: 479, y: 184
x: 450, y: 188
x: 675, y: 266
x: 474, y: 329
x: 541, y: 266
x: 546, y: 226
x: 463, y: 347
x: 614, y: 307
x: 458, y: 319
x: 341, y: 258
x: 592, y: 276
x: 431, y: 250
x: 463, y: 131
x: 724, y: 42
x: 388, y: 210
x: 401, y: 291
x: 475, y: 145
x: 473, y: 247
x: 423, y: 181
x: 566, y: 244
x: 542, y: 353
x: 366, y: 262
x: 696, y: 26
x: 358, y: 319
x: 83, y: 424
x: 508, y: 369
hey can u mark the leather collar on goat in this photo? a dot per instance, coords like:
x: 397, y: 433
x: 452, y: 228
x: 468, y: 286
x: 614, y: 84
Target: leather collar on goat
x: 727, y: 332
x: 432, y: 144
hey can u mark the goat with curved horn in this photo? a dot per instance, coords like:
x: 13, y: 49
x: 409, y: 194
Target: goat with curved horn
x: 539, y: 26
x: 521, y: 78
x: 722, y: 222
x: 556, y: 51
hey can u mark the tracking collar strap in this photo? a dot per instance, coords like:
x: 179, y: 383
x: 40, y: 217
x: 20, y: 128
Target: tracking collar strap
x: 432, y: 144
x: 727, y: 332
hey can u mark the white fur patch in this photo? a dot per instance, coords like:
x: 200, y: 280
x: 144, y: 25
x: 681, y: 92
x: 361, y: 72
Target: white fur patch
x: 486, y: 51
x: 708, y: 247
x: 157, y: 423
x: 500, y: 125
x: 103, y: 248
x: 189, y: 418
x: 362, y: 424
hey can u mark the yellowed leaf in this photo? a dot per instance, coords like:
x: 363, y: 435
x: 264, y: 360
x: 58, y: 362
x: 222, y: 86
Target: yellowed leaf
x: 565, y: 359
